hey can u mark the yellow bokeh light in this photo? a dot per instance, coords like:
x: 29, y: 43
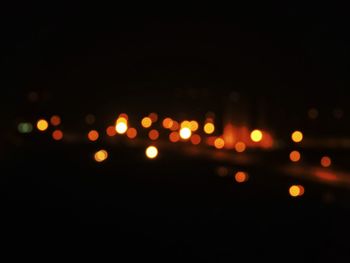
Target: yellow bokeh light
x: 256, y: 136
x: 240, y: 147
x: 121, y: 127
x: 146, y: 122
x: 101, y: 156
x: 241, y: 177
x: 219, y: 143
x: 151, y: 152
x: 122, y: 120
x: 295, y: 156
x: 185, y: 133
x: 209, y: 128
x: 194, y: 126
x: 295, y: 191
x: 42, y: 125
x: 297, y: 136
x: 326, y: 161
x: 185, y: 124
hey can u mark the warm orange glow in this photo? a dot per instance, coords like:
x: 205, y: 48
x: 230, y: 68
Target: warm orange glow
x: 101, y: 156
x: 297, y: 136
x: 240, y: 147
x: 121, y: 126
x: 55, y: 120
x: 196, y: 139
x: 326, y: 161
x: 295, y: 156
x: 146, y: 122
x: 174, y: 137
x: 151, y: 152
x: 296, y: 190
x: 167, y: 123
x: 111, y: 131
x: 219, y: 143
x: 185, y: 133
x: 57, y: 135
x: 241, y: 177
x: 153, y: 116
x: 93, y: 135
x: 123, y: 116
x: 175, y: 126
x: 256, y: 136
x: 42, y: 125
x: 131, y: 133
x: 211, y: 140
x: 194, y: 126
x: 185, y: 124
x: 209, y: 128
x: 122, y: 120
x: 153, y: 135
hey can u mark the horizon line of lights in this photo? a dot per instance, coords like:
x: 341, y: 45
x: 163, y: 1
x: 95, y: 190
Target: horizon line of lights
x: 185, y: 131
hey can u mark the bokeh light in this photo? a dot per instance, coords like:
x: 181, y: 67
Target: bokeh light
x: 151, y: 152
x: 110, y: 131
x: 57, y: 135
x: 326, y: 161
x: 93, y: 135
x: 174, y: 136
x: 175, y: 126
x: 196, y: 139
x: 55, y: 120
x: 185, y: 133
x: 296, y: 190
x: 25, y: 127
x: 42, y: 125
x: 167, y: 123
x: 297, y: 136
x: 219, y: 143
x: 241, y: 177
x: 209, y: 128
x: 131, y: 133
x: 240, y: 147
x: 146, y: 122
x: 194, y: 126
x: 121, y: 126
x: 153, y: 116
x: 295, y: 156
x: 101, y: 156
x: 256, y: 136
x: 153, y: 135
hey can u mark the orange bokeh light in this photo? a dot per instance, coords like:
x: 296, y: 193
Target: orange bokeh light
x: 57, y: 135
x: 42, y: 125
x: 131, y: 133
x: 93, y: 135
x: 241, y: 177
x: 297, y: 136
x: 209, y: 128
x: 295, y: 156
x: 175, y: 126
x: 55, y: 120
x: 153, y: 135
x: 219, y: 143
x: 153, y: 116
x: 110, y: 131
x: 146, y: 122
x: 326, y: 161
x: 196, y: 139
x: 168, y: 123
x: 174, y: 136
x: 240, y: 147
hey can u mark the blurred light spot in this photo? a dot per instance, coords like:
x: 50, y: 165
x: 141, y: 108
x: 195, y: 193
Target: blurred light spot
x: 240, y: 147
x: 174, y: 136
x: 209, y: 128
x: 121, y: 127
x: 296, y: 190
x: 93, y: 135
x: 153, y: 116
x: 167, y: 123
x: 185, y: 133
x: 211, y: 140
x: 101, y: 156
x: 131, y: 133
x: 110, y: 131
x: 196, y: 139
x: 326, y: 161
x: 194, y: 126
x: 25, y: 127
x: 42, y: 125
x: 90, y: 119
x: 57, y: 135
x: 241, y: 177
x: 256, y: 136
x: 219, y: 143
x: 295, y: 156
x: 55, y: 120
x: 185, y: 124
x: 175, y: 126
x: 122, y: 120
x: 297, y: 136
x: 312, y: 113
x: 153, y: 135
x: 123, y: 116
x: 151, y: 152
x: 146, y: 122
x: 222, y: 171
